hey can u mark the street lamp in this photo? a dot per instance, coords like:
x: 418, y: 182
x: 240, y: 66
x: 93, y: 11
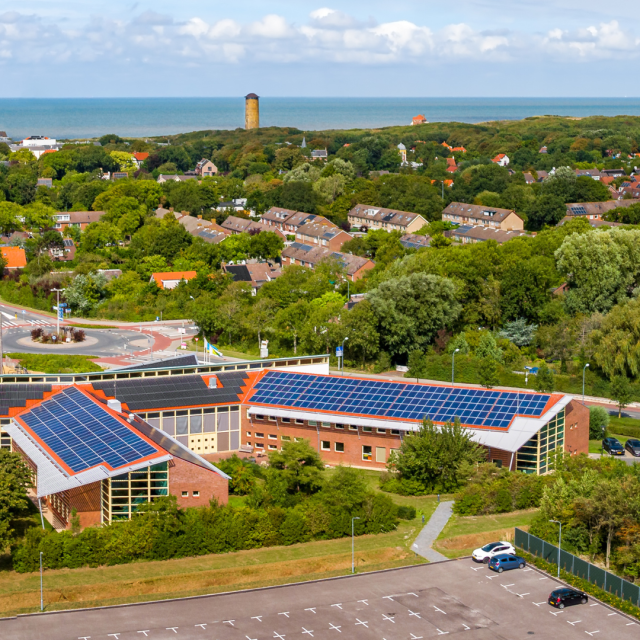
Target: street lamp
x: 453, y: 360
x: 57, y: 309
x: 353, y: 564
x: 559, y: 543
x: 343, y: 353
x: 41, y: 591
x: 584, y: 369
x: 527, y: 371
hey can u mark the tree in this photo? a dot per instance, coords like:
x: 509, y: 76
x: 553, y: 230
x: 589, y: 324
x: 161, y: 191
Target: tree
x: 519, y: 332
x: 85, y: 291
x: 38, y: 216
x: 544, y: 382
x: 261, y: 316
x: 266, y: 245
x: 598, y: 423
x: 361, y: 327
x: 411, y: 309
x: 488, y: 373
x: 292, y: 319
x: 9, y: 217
x: 488, y: 349
x: 437, y: 458
x: 621, y: 392
x: 546, y: 209
x: 15, y: 479
x: 525, y: 287
x: 299, y: 465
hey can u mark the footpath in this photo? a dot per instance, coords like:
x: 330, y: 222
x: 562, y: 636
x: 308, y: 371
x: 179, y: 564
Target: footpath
x: 423, y: 544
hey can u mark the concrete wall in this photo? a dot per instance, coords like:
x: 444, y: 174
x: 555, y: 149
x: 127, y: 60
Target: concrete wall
x: 187, y: 478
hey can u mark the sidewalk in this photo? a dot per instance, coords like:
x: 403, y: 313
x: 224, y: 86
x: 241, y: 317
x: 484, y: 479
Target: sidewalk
x: 429, y: 533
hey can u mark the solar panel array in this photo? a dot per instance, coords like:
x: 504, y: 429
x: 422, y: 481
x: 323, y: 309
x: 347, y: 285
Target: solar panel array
x: 473, y: 407
x: 83, y: 434
x: 173, y: 391
x: 16, y: 395
x: 579, y: 211
x: 188, y: 360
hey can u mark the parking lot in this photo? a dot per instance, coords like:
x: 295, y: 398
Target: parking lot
x: 458, y: 599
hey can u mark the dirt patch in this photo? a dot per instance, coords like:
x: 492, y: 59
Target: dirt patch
x: 475, y: 540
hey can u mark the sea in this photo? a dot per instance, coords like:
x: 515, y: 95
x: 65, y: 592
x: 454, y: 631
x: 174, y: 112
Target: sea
x: 77, y: 118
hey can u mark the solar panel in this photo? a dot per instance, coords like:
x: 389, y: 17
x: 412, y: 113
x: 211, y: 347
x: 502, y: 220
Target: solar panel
x: 474, y: 407
x: 83, y: 434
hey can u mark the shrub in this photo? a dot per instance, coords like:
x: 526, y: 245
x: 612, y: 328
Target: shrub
x: 78, y: 335
x: 36, y: 333
x: 406, y: 512
x: 598, y: 423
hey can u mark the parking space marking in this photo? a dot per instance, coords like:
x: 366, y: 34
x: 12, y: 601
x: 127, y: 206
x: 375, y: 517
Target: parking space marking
x: 84, y: 638
x: 413, y: 594
x: 307, y: 631
x: 556, y: 613
x: 332, y: 626
x: 441, y: 633
x: 411, y: 613
x: 508, y: 585
x: 630, y: 623
x: 522, y: 595
x: 591, y: 633
x: 594, y: 605
x: 525, y: 570
x: 365, y: 601
x: 365, y: 624
x: 174, y: 629
x: 146, y: 633
x: 389, y: 618
x: 613, y: 614
x: 573, y: 623
x: 277, y: 635
x: 311, y: 609
x: 545, y: 578
x: 195, y: 625
x: 415, y: 637
x: 115, y: 635
x: 476, y: 568
x: 230, y: 622
x: 339, y: 605
x: 284, y: 613
x: 258, y: 618
x: 540, y: 603
x: 248, y: 638
x: 465, y: 627
x: 388, y: 597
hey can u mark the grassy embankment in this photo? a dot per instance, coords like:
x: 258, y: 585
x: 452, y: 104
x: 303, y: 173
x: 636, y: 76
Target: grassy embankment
x: 144, y: 581
x: 55, y: 362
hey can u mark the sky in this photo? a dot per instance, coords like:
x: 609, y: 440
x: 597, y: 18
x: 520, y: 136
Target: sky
x: 403, y: 48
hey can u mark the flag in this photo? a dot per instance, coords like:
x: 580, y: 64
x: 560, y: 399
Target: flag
x: 211, y: 349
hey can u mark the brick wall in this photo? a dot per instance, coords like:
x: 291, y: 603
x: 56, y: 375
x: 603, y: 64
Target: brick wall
x: 501, y: 456
x: 326, y: 440
x: 576, y: 428
x: 87, y: 502
x: 187, y: 478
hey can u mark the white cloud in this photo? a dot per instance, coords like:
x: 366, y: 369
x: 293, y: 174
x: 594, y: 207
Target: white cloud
x: 607, y: 40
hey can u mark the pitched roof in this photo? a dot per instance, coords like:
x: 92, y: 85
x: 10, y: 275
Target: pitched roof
x: 140, y: 156
x: 486, y: 233
x: 313, y: 255
x: 596, y: 208
x: 14, y: 257
x: 415, y: 241
x: 164, y: 276
x: 477, y: 211
x: 392, y: 216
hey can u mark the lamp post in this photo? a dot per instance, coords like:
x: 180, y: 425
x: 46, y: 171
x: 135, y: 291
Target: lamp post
x: 57, y: 309
x: 527, y: 370
x: 453, y: 361
x: 584, y: 369
x: 343, y: 353
x: 559, y: 543
x: 41, y: 591
x: 353, y: 563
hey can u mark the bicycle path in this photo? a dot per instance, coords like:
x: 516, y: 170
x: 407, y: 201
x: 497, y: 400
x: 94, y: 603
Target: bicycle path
x: 433, y: 528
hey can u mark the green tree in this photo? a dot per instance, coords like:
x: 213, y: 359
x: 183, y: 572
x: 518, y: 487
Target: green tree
x: 261, y: 317
x: 621, y: 392
x: 291, y: 320
x: 300, y: 467
x: 361, y: 327
x: 545, y: 210
x: 411, y: 309
x: 438, y: 458
x: 15, y: 479
x: 488, y: 348
x: 598, y: 423
x: 9, y: 217
x: 488, y: 373
x: 544, y: 382
x: 519, y: 332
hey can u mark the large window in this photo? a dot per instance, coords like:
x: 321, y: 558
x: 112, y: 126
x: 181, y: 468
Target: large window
x: 122, y: 495
x: 533, y: 456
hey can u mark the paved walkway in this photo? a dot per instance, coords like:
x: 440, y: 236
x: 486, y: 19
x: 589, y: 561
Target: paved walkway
x: 429, y: 533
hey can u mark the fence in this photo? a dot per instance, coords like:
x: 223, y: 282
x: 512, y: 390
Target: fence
x: 572, y: 564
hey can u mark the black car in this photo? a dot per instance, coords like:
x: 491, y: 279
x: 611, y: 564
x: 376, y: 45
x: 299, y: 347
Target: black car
x: 565, y: 597
x: 613, y: 446
x: 505, y: 561
x: 633, y: 447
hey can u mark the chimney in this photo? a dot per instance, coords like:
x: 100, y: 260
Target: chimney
x: 213, y: 382
x: 114, y: 404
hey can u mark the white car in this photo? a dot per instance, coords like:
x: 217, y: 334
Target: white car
x: 484, y: 554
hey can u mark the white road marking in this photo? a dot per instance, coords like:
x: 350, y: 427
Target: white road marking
x: 525, y: 570
x: 413, y: 594
x: 365, y: 624
x: 440, y: 610
x: 258, y: 618
x: 492, y: 577
x: 506, y: 586
x: 556, y: 613
x: 307, y: 631
x: 612, y: 614
x: 573, y: 623
x: 594, y: 605
x: 174, y: 629
x: 389, y: 618
x: 115, y: 635
x: 230, y: 622
x: 543, y: 578
x: 365, y: 601
x: 411, y: 613
x: 201, y: 625
x: 339, y: 605
x: 248, y: 638
x: 441, y: 633
x: 415, y: 637
x: 84, y: 638
x: 311, y: 609
x: 388, y: 597
x: 147, y: 632
x: 590, y: 633
x: 332, y: 626
x: 476, y: 568
x: 540, y: 603
x: 277, y: 635
x: 465, y: 627
x: 284, y: 613
x: 630, y: 623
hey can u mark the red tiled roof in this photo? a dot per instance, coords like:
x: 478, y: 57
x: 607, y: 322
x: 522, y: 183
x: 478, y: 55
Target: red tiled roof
x: 173, y: 275
x: 140, y: 155
x: 15, y: 257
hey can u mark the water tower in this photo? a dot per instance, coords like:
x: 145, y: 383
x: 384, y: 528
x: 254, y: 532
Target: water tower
x: 251, y: 111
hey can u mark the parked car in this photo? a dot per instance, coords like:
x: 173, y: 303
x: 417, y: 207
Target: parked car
x: 506, y: 561
x: 565, y: 597
x: 613, y: 447
x: 484, y: 554
x: 633, y: 447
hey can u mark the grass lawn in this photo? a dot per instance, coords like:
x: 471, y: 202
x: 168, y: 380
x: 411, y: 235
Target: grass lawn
x: 595, y: 446
x: 144, y: 581
x: 623, y: 422
x: 55, y: 362
x: 463, y: 534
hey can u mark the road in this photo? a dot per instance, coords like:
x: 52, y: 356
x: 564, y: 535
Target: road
x: 459, y: 598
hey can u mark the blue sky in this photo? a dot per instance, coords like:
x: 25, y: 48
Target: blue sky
x: 93, y: 48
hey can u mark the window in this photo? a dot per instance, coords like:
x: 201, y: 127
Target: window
x: 353, y: 427
x: 185, y: 494
x: 285, y: 438
x: 339, y: 426
x: 273, y: 419
x: 313, y: 423
x: 273, y: 436
x: 248, y: 434
x: 381, y: 454
x: 339, y: 447
x: 298, y: 439
x: 366, y: 453
x: 395, y: 432
x: 248, y: 443
x: 273, y: 447
x: 367, y: 429
x: 325, y: 424
x: 299, y: 421
x: 381, y: 430
x: 325, y: 445
x: 259, y: 435
x: 285, y: 420
x: 259, y: 417
x: 259, y: 445
x: 195, y: 494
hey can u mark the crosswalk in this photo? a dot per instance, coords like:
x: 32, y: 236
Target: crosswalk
x: 33, y: 323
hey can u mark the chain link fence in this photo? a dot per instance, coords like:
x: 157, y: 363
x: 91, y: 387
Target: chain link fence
x: 572, y: 564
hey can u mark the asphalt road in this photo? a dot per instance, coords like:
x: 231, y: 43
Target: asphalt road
x: 460, y: 599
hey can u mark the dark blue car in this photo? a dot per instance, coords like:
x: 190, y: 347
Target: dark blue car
x: 506, y: 561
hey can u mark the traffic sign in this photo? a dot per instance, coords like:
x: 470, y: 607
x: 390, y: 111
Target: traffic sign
x: 338, y: 352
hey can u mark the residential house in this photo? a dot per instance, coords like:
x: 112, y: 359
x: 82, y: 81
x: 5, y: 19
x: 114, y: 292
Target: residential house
x: 607, y: 179
x: 419, y: 119
x: 237, y: 225
x: 321, y: 234
x: 45, y: 182
x: 501, y: 159
x: 139, y: 157
x: 528, y: 178
x: 614, y: 173
x: 542, y: 175
x: 119, y: 175
x: 414, y: 241
x: 300, y: 218
x: 79, y: 219
x: 468, y: 234
x: 452, y: 167
x: 309, y: 256
x: 589, y: 173
x: 196, y: 226
x: 595, y: 223
x: 206, y: 168
x: 479, y: 215
x: 276, y: 217
x: 14, y: 257
x: 543, y: 150
x: 454, y: 149
x: 319, y: 154
x: 4, y: 138
x: 162, y: 178
x: 171, y: 279
x: 388, y: 219
x: 256, y: 273
x: 595, y: 210
x: 68, y: 252
x: 38, y: 145
x: 237, y: 204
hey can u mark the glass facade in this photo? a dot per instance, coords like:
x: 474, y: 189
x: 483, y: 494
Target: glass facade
x: 122, y: 495
x: 533, y: 456
x: 5, y: 438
